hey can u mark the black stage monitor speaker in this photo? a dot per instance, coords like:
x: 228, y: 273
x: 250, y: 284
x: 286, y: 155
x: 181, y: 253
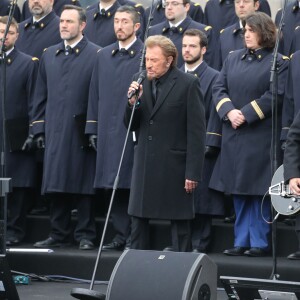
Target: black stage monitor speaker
x: 8, y: 289
x: 158, y: 275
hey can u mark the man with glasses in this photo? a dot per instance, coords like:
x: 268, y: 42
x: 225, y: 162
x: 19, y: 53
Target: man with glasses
x: 195, y: 12
x: 177, y: 23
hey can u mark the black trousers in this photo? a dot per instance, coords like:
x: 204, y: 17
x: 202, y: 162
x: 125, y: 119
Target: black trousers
x: 61, y: 205
x: 18, y: 203
x: 201, y: 232
x: 297, y: 228
x: 140, y: 234
x: 121, y: 221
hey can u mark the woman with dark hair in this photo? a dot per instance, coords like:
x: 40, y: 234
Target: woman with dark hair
x: 243, y: 100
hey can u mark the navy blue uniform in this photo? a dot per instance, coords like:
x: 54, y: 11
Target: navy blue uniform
x: 208, y: 202
x: 176, y: 34
x: 221, y: 13
x: 60, y: 107
x: 244, y: 84
x: 35, y: 38
x: 57, y: 7
x: 5, y: 8
x: 105, y: 119
x: 291, y: 21
x: 195, y: 12
x: 231, y: 38
x: 61, y: 94
x: 291, y: 104
x: 21, y: 71
x: 296, y: 41
x: 100, y: 25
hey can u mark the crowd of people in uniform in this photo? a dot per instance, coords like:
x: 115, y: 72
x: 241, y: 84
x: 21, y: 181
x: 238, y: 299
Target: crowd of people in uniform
x: 68, y: 71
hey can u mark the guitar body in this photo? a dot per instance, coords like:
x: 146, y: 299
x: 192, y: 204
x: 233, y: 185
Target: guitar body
x: 282, y: 200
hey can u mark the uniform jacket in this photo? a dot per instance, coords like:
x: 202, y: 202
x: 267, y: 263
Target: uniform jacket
x: 244, y: 83
x: 291, y: 21
x: 107, y: 102
x: 60, y: 102
x: 21, y: 71
x: 170, y: 148
x: 34, y: 39
x: 57, y: 7
x: 5, y: 8
x: 195, y: 12
x: 177, y: 34
x: 208, y: 201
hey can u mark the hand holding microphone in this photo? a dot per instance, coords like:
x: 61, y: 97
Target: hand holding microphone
x: 136, y: 88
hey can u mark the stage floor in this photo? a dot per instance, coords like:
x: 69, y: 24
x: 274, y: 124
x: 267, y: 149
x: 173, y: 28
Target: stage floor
x: 61, y: 291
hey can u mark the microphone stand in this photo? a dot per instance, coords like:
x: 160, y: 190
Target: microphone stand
x: 89, y: 294
x: 274, y: 145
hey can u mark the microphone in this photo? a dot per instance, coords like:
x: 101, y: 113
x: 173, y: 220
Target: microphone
x: 139, y: 81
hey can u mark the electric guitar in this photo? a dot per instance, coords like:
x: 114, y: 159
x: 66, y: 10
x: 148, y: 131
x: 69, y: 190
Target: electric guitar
x: 283, y: 201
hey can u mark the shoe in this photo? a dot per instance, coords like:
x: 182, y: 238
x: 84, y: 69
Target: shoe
x: 256, y: 252
x: 50, y: 242
x: 86, y: 245
x: 199, y: 251
x: 113, y: 246
x: 230, y: 219
x: 294, y: 256
x: 43, y: 210
x: 169, y: 249
x: 236, y: 251
x: 12, y: 241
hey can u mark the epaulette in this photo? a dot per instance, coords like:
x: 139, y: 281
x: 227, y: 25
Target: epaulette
x: 285, y: 57
x: 222, y: 30
x: 207, y: 28
x: 34, y: 59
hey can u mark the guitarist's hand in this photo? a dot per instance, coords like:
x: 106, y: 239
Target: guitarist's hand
x: 295, y: 186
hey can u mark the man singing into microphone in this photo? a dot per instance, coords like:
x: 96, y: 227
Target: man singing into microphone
x: 169, y: 117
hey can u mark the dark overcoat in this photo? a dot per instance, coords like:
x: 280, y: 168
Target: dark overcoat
x: 208, y: 201
x: 57, y: 7
x: 21, y: 71
x: 60, y: 101
x: 291, y: 103
x: 221, y: 13
x: 34, y: 39
x: 111, y: 78
x: 291, y: 21
x: 170, y: 148
x: 244, y: 163
x: 176, y: 37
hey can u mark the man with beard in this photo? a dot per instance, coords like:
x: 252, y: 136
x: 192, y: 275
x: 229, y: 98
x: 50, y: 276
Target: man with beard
x: 100, y: 21
x: 60, y: 106
x: 168, y: 158
x: 21, y: 71
x: 57, y: 7
x: 177, y: 22
x: 105, y: 117
x: 39, y: 31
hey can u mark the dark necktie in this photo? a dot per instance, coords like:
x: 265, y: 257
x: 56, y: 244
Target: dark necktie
x: 68, y: 50
x: 35, y: 25
x: 103, y: 12
x: 155, y: 86
x: 173, y: 30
